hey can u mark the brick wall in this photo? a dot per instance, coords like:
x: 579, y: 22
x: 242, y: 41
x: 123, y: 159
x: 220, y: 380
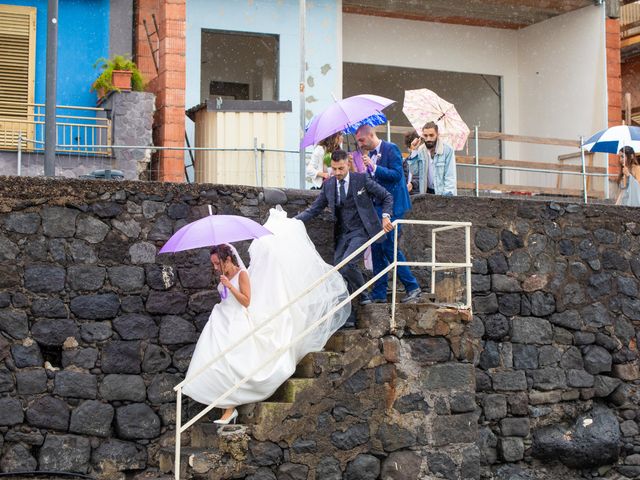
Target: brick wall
x: 169, y: 83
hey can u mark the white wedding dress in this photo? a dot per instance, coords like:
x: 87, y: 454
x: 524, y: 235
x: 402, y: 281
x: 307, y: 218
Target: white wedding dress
x: 283, y: 265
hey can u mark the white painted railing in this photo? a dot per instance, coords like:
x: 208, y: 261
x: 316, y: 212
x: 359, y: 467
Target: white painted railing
x: 435, y: 266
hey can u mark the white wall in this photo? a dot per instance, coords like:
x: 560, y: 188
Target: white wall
x: 562, y: 87
x: 552, y: 72
x: 438, y: 46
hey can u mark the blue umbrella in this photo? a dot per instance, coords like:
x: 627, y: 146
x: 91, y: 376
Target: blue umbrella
x: 613, y: 139
x: 373, y: 121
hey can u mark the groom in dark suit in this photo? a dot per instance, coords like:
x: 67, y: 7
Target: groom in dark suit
x: 349, y: 196
x: 384, y: 164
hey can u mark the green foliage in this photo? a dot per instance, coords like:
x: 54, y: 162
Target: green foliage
x: 104, y: 82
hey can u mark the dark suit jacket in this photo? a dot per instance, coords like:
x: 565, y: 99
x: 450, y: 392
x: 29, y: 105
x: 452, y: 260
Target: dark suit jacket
x: 364, y: 189
x: 390, y: 175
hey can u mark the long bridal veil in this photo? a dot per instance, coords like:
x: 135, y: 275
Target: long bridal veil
x: 283, y: 266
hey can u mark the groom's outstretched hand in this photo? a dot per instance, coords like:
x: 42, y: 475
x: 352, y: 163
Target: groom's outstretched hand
x: 387, y: 226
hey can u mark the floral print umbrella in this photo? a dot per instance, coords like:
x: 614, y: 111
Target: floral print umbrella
x: 423, y: 105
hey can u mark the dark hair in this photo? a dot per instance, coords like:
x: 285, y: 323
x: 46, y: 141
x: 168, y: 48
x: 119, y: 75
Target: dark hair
x: 410, y: 137
x: 330, y: 143
x: 339, y: 156
x: 630, y: 159
x: 223, y: 251
x: 430, y: 125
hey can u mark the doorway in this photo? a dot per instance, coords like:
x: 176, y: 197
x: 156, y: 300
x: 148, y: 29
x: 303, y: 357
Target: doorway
x: 477, y: 98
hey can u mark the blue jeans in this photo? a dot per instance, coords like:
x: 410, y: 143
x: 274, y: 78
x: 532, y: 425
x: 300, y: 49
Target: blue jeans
x: 382, y: 255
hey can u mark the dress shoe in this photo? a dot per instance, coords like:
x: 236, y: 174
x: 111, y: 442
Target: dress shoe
x: 412, y: 295
x: 379, y: 300
x: 232, y: 419
x: 365, y: 299
x: 348, y: 325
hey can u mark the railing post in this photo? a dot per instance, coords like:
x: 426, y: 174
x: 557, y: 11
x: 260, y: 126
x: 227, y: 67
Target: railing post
x: 433, y: 261
x: 19, y: 154
x: 467, y: 242
x: 584, y: 170
x: 262, y: 165
x: 477, y: 161
x: 255, y: 160
x: 176, y: 468
x: 395, y: 276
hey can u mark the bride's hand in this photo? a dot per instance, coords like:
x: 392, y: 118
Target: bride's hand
x: 225, y: 281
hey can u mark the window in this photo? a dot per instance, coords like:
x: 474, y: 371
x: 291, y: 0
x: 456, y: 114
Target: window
x: 240, y: 66
x: 17, y: 73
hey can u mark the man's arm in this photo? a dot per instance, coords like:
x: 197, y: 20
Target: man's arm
x: 392, y: 173
x: 381, y: 194
x: 450, y: 178
x: 319, y: 204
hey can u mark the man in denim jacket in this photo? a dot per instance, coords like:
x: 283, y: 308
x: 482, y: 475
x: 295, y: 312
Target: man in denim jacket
x: 439, y: 161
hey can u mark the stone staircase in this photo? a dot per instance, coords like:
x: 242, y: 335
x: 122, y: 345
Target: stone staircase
x: 221, y: 452
x: 206, y: 445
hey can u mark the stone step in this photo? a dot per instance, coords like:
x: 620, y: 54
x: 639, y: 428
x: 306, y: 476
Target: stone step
x: 205, y: 435
x: 262, y: 412
x: 288, y: 391
x: 166, y: 459
x: 343, y: 340
x: 315, y: 363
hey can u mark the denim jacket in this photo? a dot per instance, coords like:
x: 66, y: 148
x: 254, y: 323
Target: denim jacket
x: 444, y: 164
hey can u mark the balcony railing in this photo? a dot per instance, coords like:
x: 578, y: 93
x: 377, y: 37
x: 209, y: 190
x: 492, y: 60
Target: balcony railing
x: 630, y: 23
x: 85, y: 130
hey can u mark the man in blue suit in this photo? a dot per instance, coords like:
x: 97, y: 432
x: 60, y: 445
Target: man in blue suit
x: 384, y: 164
x: 350, y: 197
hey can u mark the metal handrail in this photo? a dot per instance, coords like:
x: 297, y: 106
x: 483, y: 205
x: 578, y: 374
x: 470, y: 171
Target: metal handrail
x: 433, y: 264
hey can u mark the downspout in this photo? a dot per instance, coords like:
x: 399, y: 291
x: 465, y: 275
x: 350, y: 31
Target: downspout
x: 603, y: 9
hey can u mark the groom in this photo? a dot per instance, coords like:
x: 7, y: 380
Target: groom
x: 349, y: 196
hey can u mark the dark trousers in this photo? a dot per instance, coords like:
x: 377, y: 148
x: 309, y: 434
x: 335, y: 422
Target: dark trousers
x: 382, y: 255
x: 346, y: 244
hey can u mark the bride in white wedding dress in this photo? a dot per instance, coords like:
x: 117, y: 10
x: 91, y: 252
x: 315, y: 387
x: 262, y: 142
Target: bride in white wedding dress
x: 282, y: 266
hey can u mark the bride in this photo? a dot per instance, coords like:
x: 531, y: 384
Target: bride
x: 283, y: 265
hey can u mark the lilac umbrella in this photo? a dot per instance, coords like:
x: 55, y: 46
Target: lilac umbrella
x: 341, y: 115
x: 214, y: 230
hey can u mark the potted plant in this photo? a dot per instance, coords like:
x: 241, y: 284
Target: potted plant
x: 118, y: 73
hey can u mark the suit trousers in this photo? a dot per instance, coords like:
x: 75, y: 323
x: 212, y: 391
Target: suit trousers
x: 382, y: 254
x: 346, y: 244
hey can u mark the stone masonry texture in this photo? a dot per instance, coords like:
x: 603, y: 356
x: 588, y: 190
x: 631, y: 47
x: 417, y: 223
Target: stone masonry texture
x: 96, y: 329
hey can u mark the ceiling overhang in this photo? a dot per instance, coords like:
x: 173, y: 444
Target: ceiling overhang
x: 509, y: 14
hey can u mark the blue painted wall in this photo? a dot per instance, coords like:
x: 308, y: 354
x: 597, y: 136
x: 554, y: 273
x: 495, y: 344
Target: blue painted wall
x: 323, y: 53
x: 83, y: 37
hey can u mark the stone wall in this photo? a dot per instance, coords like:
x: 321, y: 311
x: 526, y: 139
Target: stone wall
x: 96, y: 328
x: 556, y: 289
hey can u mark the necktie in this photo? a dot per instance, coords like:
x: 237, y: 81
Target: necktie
x: 343, y: 193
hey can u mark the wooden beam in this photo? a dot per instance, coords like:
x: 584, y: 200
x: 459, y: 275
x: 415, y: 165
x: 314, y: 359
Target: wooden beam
x: 497, y: 136
x: 573, y: 192
x: 470, y: 160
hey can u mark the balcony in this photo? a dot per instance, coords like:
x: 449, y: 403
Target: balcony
x: 630, y: 30
x: 79, y: 130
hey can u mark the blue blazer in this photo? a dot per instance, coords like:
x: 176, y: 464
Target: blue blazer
x: 390, y: 175
x: 364, y: 190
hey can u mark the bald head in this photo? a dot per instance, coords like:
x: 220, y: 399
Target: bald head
x: 367, y: 138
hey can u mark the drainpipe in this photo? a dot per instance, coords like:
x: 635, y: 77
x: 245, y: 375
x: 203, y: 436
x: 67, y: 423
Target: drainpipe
x: 50, y: 101
x: 303, y: 12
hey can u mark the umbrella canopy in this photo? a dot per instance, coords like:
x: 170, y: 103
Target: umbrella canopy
x: 214, y: 230
x: 341, y: 114
x: 422, y: 106
x: 612, y: 139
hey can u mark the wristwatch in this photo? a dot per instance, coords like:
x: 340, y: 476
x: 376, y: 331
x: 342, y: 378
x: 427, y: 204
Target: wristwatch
x: 386, y: 215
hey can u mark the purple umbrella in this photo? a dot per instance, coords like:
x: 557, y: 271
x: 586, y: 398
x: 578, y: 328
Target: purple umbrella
x: 214, y: 230
x: 341, y: 115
